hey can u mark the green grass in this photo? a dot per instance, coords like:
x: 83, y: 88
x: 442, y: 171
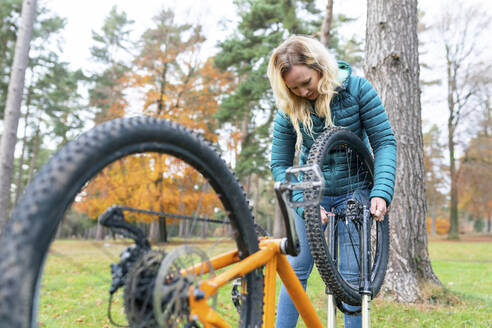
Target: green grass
x: 464, y: 267
x: 465, y: 270
x: 75, y: 285
x: 77, y: 278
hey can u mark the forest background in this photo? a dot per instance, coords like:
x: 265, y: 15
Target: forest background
x: 209, y: 75
x: 211, y: 59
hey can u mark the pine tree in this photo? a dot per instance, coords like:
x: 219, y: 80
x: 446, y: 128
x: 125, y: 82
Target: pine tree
x: 52, y: 104
x: 109, y: 49
x: 460, y: 30
x: 13, y: 105
x: 247, y: 113
x: 9, y: 26
x: 250, y: 108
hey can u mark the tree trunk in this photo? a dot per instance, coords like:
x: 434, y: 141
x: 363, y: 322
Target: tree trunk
x: 432, y: 214
x: 154, y: 231
x: 433, y: 226
x: 160, y: 106
x: 181, y: 230
x: 20, y: 172
x: 183, y: 224
x: 35, y: 152
x: 59, y: 230
x: 452, y: 119
x: 162, y: 230
x: 393, y: 68
x: 326, y: 25
x: 256, y: 197
x: 145, y: 228
x: 100, y: 232
x: 248, y: 186
x: 12, y: 108
x: 204, y: 230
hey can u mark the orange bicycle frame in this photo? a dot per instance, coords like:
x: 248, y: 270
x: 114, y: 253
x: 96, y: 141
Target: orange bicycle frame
x: 270, y: 256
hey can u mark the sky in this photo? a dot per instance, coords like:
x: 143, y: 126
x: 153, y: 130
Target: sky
x: 218, y: 19
x: 88, y: 15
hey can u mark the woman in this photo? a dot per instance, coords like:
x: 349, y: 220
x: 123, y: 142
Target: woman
x: 314, y: 92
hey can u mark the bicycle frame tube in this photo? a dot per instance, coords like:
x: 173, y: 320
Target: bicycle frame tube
x: 297, y: 293
x: 269, y: 255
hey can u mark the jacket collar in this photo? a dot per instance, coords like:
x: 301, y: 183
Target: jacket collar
x: 343, y: 76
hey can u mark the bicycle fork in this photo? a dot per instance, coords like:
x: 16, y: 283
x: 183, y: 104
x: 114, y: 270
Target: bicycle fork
x: 365, y: 278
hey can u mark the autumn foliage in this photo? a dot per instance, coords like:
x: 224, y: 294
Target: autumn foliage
x: 175, y: 84
x: 475, y: 176
x: 153, y: 182
x: 442, y: 225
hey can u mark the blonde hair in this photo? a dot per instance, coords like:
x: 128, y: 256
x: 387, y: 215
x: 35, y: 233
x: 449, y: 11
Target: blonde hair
x: 302, y: 50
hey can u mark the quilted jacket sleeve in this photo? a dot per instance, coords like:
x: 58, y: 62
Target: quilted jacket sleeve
x: 382, y: 140
x: 283, y: 152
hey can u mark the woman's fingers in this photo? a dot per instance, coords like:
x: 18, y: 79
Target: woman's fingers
x: 378, y: 208
x: 324, y: 216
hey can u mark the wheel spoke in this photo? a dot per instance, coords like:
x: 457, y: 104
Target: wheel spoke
x: 346, y: 160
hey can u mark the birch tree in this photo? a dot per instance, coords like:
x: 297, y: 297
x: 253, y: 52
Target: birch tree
x: 460, y: 30
x: 392, y: 66
x: 12, y: 109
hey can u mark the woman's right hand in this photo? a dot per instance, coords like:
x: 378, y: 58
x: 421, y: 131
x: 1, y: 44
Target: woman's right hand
x: 324, y: 215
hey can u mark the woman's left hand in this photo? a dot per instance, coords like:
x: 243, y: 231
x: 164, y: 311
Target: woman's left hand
x: 324, y: 214
x: 378, y: 208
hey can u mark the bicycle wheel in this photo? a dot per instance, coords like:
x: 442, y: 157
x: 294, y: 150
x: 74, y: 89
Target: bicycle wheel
x: 340, y: 148
x: 166, y: 178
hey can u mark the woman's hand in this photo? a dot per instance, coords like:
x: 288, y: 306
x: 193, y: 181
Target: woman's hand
x: 378, y: 208
x: 325, y: 215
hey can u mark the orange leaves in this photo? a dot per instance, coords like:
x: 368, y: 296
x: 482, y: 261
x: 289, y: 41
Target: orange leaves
x: 152, y: 99
x: 174, y: 83
x: 442, y: 225
x: 151, y: 182
x: 117, y: 109
x: 234, y: 141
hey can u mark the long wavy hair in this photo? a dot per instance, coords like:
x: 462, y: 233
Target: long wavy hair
x: 303, y: 50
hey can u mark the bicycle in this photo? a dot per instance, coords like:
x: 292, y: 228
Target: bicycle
x: 179, y: 288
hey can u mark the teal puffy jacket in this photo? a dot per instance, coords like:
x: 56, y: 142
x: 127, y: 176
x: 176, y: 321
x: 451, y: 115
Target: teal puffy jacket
x: 357, y: 107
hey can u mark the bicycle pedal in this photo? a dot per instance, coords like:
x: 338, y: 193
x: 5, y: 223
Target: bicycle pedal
x: 307, y: 178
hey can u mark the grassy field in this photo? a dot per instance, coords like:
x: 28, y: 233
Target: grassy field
x: 77, y: 279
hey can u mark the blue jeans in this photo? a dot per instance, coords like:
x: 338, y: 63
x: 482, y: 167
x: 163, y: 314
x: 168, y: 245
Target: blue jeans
x: 302, y: 264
